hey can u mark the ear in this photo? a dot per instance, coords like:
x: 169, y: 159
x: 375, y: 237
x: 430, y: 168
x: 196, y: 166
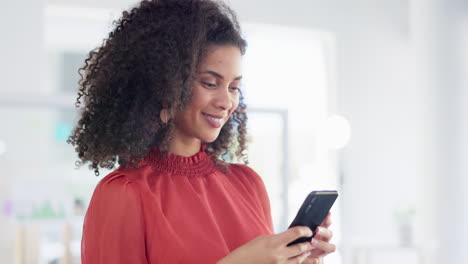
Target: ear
x: 165, y: 115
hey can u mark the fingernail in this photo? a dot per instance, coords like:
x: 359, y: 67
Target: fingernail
x: 313, y: 241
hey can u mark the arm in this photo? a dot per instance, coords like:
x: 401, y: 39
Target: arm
x: 262, y: 194
x: 113, y: 230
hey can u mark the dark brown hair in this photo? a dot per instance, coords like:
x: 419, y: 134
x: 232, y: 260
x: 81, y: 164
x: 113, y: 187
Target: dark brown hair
x: 148, y: 63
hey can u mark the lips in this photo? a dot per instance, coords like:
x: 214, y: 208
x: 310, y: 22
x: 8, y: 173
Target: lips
x: 214, y: 116
x: 213, y: 120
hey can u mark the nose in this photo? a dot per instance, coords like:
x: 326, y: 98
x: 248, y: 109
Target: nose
x: 224, y: 99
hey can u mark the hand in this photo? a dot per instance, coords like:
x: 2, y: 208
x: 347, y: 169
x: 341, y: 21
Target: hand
x: 273, y: 249
x: 321, y: 243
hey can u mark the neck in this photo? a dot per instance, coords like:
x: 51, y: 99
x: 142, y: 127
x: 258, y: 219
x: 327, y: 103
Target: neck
x: 186, y: 148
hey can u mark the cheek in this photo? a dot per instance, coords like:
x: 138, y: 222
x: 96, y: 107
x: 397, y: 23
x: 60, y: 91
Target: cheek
x: 199, y: 100
x: 182, y: 117
x: 233, y: 109
x: 235, y: 104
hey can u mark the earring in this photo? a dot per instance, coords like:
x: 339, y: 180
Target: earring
x: 164, y: 115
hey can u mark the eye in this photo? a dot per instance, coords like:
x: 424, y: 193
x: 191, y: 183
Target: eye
x: 209, y: 85
x: 235, y: 89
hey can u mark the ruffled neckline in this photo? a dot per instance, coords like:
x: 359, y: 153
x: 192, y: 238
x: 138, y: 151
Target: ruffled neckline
x: 199, y: 164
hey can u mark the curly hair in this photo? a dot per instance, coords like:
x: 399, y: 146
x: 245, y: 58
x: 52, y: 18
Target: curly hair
x: 147, y: 63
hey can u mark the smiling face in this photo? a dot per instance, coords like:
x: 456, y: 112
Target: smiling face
x: 215, y: 96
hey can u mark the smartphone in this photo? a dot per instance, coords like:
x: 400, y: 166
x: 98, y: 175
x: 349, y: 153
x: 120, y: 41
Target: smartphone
x: 313, y: 211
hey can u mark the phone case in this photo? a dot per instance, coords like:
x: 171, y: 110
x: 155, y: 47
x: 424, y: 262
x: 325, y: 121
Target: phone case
x: 313, y: 211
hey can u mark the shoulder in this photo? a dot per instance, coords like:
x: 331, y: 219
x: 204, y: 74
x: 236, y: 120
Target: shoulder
x: 123, y: 176
x: 119, y: 185
x: 115, y: 179
x: 242, y: 170
x: 116, y: 196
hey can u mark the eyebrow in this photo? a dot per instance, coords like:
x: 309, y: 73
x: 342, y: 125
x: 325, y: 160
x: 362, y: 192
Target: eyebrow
x: 220, y: 76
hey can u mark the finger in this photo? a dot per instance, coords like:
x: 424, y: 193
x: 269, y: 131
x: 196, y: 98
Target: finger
x: 298, y: 249
x: 323, y: 234
x: 327, y: 221
x: 299, y: 259
x: 312, y: 260
x: 293, y: 233
x: 326, y: 247
x: 317, y: 253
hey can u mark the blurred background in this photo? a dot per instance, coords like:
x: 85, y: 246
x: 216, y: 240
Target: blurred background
x: 364, y: 96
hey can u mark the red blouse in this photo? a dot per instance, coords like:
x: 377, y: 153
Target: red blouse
x: 174, y: 210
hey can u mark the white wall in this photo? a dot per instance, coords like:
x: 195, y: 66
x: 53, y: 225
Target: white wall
x: 21, y: 45
x: 446, y: 70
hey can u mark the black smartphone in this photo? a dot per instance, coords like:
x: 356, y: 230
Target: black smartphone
x: 313, y: 211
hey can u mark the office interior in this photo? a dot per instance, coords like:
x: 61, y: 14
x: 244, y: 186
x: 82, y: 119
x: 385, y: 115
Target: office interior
x: 367, y: 97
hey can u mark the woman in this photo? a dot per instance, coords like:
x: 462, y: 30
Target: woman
x: 162, y: 98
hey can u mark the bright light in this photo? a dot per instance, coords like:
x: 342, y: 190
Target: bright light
x: 337, y: 132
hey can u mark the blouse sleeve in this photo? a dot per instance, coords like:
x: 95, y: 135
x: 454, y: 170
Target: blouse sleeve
x: 113, y: 230
x: 262, y: 195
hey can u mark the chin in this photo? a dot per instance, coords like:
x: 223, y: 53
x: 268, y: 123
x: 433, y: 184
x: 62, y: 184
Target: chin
x: 209, y: 138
